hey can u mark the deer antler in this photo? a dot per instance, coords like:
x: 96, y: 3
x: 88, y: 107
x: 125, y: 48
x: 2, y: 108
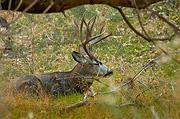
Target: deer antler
x: 89, y: 39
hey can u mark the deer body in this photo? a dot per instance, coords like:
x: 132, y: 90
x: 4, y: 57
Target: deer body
x: 55, y: 83
x: 79, y: 79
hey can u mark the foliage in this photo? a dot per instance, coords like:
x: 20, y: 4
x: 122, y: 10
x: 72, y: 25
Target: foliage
x: 45, y: 46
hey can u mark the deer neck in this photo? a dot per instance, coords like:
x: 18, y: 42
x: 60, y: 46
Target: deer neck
x: 81, y: 70
x: 83, y: 73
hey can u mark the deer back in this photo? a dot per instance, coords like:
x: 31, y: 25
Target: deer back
x: 79, y: 79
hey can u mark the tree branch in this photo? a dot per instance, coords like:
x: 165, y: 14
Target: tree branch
x: 176, y: 29
x: 62, y: 5
x: 148, y: 64
x: 140, y: 34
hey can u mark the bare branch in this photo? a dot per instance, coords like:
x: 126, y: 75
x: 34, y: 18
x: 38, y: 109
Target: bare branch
x: 140, y: 22
x: 11, y: 33
x: 176, y: 29
x: 49, y: 7
x: 73, y: 106
x: 140, y: 34
x: 133, y: 79
x: 97, y: 79
x: 150, y: 89
x: 62, y: 5
x: 166, y: 53
x: 9, y: 5
x: 129, y: 24
x: 76, y: 105
x: 156, y: 116
x: 5, y: 48
x: 139, y: 18
x: 142, y: 84
x: 30, y: 6
x: 19, y: 4
x: 148, y: 64
x: 128, y: 104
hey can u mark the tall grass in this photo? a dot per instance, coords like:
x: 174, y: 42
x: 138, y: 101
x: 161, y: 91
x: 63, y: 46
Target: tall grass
x: 45, y: 46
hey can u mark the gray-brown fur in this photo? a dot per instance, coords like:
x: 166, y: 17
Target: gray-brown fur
x: 79, y: 79
x: 53, y: 83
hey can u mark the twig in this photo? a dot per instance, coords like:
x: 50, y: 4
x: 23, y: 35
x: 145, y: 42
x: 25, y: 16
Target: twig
x: 9, y: 5
x: 159, y: 96
x: 176, y: 29
x: 166, y: 55
x: 140, y: 34
x: 25, y: 10
x: 150, y: 89
x: 76, y: 105
x: 11, y: 33
x: 19, y: 4
x: 91, y: 77
x: 139, y: 18
x: 47, y: 9
x: 73, y: 106
x: 142, y: 84
x: 128, y: 104
x: 156, y: 116
x: 148, y: 64
x: 125, y: 72
x: 7, y: 48
x: 30, y: 6
x: 102, y: 82
x: 120, y: 66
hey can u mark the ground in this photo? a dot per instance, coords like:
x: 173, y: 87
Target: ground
x: 45, y: 44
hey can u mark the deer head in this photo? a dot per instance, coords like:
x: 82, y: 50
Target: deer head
x: 68, y: 82
x: 91, y: 65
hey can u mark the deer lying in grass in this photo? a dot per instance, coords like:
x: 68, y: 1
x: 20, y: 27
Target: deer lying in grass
x: 72, y: 81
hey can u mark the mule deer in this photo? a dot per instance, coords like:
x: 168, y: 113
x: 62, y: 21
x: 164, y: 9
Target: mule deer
x: 72, y: 81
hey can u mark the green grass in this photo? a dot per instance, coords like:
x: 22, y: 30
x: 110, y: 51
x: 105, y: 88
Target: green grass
x: 45, y: 46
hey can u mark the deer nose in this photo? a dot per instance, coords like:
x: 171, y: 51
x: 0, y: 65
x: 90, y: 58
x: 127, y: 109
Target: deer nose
x: 109, y: 73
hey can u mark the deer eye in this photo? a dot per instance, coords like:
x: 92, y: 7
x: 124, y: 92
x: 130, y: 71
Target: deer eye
x: 100, y: 63
x: 96, y: 63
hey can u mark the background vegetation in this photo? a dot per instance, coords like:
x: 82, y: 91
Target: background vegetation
x: 45, y: 45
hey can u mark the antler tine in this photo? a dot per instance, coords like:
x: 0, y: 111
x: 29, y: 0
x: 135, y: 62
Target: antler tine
x: 97, y: 40
x: 75, y: 23
x: 94, y: 19
x: 84, y: 42
x: 88, y: 31
x: 80, y: 29
x: 96, y: 36
x: 101, y: 29
x: 88, y: 37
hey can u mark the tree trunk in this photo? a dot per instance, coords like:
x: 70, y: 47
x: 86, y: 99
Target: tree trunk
x: 61, y: 5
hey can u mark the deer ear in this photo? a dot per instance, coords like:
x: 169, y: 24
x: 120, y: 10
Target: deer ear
x: 80, y: 58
